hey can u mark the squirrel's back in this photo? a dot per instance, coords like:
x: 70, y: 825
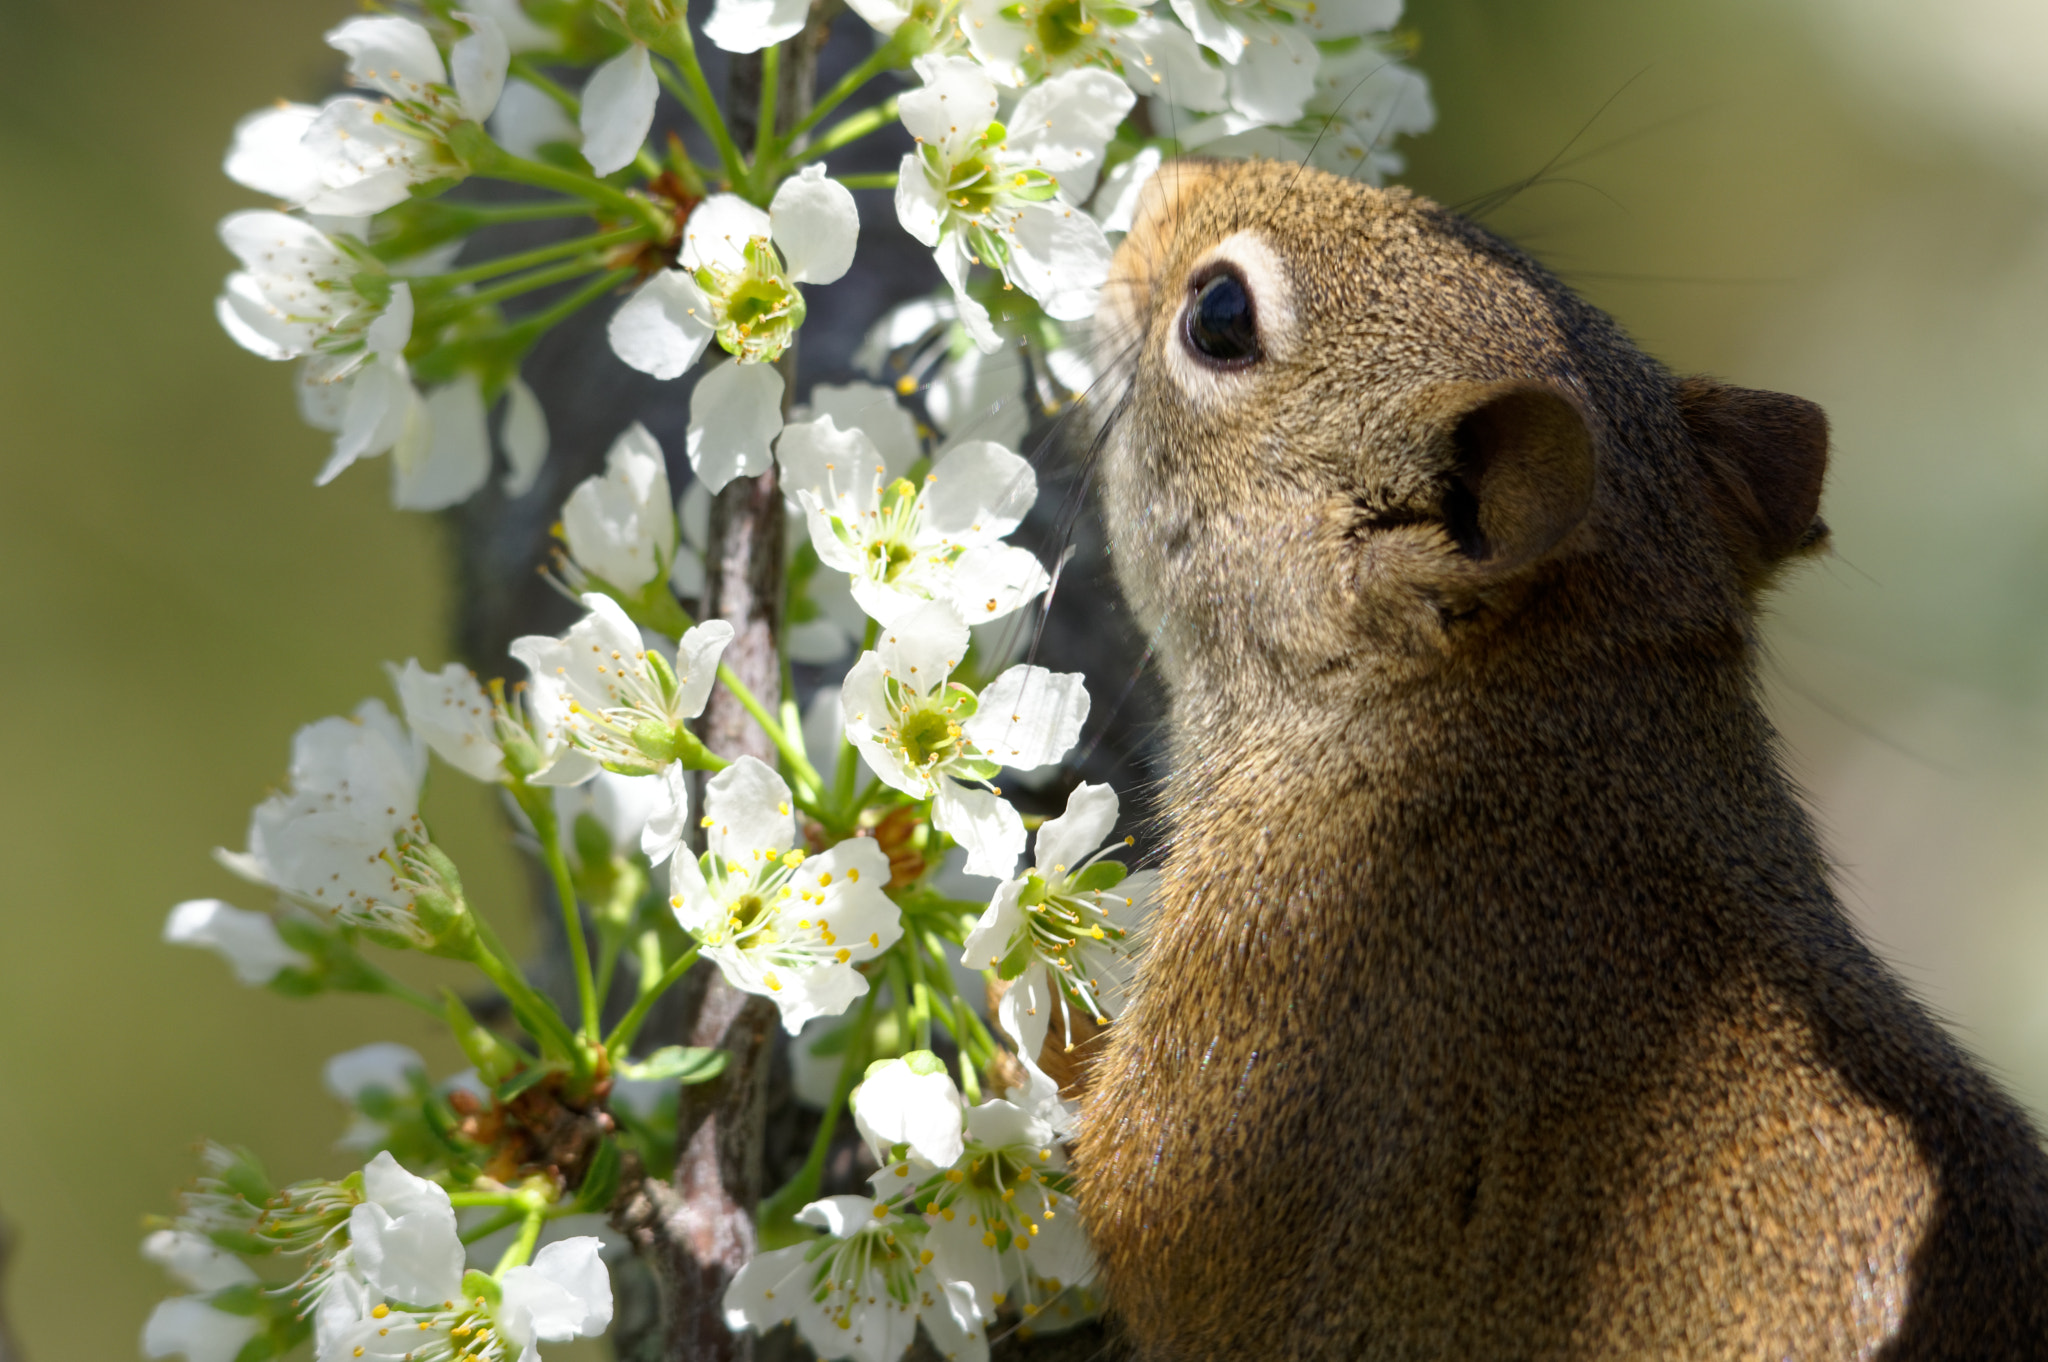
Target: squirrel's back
x: 1496, y: 1004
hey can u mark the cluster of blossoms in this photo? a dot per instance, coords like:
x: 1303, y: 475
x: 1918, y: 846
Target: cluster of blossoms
x: 871, y: 881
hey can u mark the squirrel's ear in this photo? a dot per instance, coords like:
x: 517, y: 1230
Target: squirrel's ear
x: 1766, y: 455
x: 1522, y: 470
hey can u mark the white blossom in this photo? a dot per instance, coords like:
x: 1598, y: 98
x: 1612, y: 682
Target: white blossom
x: 365, y: 397
x: 335, y: 840
x: 443, y: 452
x: 978, y: 190
x: 933, y: 738
x: 1359, y: 102
x: 602, y: 697
x: 623, y: 806
x: 902, y: 544
x: 450, y: 711
x: 563, y: 1293
x: 385, y: 1065
x: 1062, y: 931
x: 620, y: 525
x: 737, y: 274
x: 523, y: 433
x: 248, y: 941
x: 779, y: 923
x: 1154, y: 56
x: 195, y: 1261
x: 859, y: 1293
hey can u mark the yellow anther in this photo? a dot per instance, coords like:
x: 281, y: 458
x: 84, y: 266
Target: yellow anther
x: 379, y: 1311
x: 774, y: 984
x: 852, y: 876
x: 824, y: 879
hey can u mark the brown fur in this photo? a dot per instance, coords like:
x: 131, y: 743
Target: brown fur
x: 1497, y: 1005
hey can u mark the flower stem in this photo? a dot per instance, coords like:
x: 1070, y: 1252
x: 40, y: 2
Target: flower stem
x: 778, y: 1212
x: 526, y: 70
x: 792, y: 750
x: 621, y: 1038
x: 539, y: 255
x: 766, y: 144
x: 877, y: 181
x: 511, y: 1215
x: 512, y: 288
x: 883, y: 58
x: 522, y: 1247
x: 694, y: 93
x: 533, y: 1011
x: 529, y: 329
x: 540, y: 809
x: 853, y: 127
x: 505, y: 166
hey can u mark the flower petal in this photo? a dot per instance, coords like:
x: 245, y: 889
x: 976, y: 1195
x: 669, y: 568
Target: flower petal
x: 389, y: 53
x: 618, y: 110
x: 455, y: 457
x: 921, y: 649
x: 750, y: 25
x: 247, y: 940
x: 989, y: 940
x: 735, y: 415
x: 664, y: 326
x: 749, y: 809
x: 619, y: 524
x: 523, y: 435
x: 897, y: 1104
x: 992, y: 580
x: 667, y: 825
x: 697, y: 665
x: 1030, y: 717
x: 527, y: 119
x: 816, y: 226
x: 1059, y: 256
x: 450, y: 710
x: 839, y: 465
x: 1064, y: 124
x: 983, y: 823
x: 977, y: 493
x: 480, y: 61
x: 266, y: 154
x: 718, y: 232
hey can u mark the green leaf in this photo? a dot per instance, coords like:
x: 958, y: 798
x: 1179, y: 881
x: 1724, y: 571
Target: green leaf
x: 601, y: 1179
x: 684, y: 1063
x: 524, y: 1079
x: 1101, y: 875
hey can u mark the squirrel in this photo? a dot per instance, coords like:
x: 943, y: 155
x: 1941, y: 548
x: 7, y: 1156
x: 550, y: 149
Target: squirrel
x: 1495, y: 1003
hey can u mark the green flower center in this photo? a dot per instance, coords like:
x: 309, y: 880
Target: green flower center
x: 1062, y: 26
x: 928, y: 737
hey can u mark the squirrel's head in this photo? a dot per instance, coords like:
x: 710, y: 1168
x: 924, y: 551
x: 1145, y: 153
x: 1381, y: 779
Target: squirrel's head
x: 1345, y: 431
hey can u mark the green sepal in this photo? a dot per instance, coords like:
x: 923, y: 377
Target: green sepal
x: 481, y: 1286
x: 601, y: 1178
x: 1019, y: 956
x: 495, y: 1061
x: 1101, y: 875
x: 924, y: 1063
x: 243, y: 1298
x: 245, y: 1177
x: 472, y: 145
x: 684, y: 1063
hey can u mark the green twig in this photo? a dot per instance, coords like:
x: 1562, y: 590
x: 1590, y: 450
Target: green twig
x: 539, y: 255
x: 621, y: 1038
x: 540, y: 809
x: 884, y: 58
x: 876, y: 181
x: 521, y: 1248
x: 853, y: 127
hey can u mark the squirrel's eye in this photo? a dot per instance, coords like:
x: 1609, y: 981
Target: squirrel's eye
x: 1220, y: 324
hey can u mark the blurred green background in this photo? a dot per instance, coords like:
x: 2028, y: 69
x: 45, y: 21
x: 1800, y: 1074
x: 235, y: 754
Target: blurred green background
x: 1847, y: 199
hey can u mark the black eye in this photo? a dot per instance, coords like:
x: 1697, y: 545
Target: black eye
x: 1220, y: 325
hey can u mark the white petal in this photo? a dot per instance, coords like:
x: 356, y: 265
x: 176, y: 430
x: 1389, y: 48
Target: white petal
x: 766, y: 1290
x: 523, y: 435
x: 450, y: 710
x: 1030, y: 717
x: 1064, y: 123
x: 816, y: 226
x: 718, y: 232
x: 619, y: 524
x: 978, y: 492
x: 387, y: 336
x: 527, y: 119
x: 992, y: 580
x: 839, y: 1216
x: 980, y: 395
x: 1066, y: 841
x: 389, y: 53
x: 951, y: 257
x: 522, y: 34
x: 750, y: 25
x: 193, y: 1260
x: 1059, y: 256
x: 266, y: 154
x: 884, y: 16
x: 864, y: 713
x: 668, y: 822
x: 480, y: 61
x: 1116, y: 203
x: 955, y: 1325
x: 1271, y: 83
x: 386, y: 1065
x: 1025, y: 1012
x: 381, y: 399
x: 564, y: 1293
x: 735, y: 415
x: 990, y: 939
x: 189, y: 1326
x: 895, y: 1104
x: 904, y: 324
x: 248, y: 941
x: 874, y: 411
x: 664, y: 326
x: 618, y: 110
x: 1205, y: 20
x: 984, y: 824
x: 919, y: 205
x: 750, y: 810
x: 839, y: 466
x: 457, y: 457
x: 254, y: 325
x: 1170, y: 64
x: 697, y: 665
x: 954, y: 106
x: 921, y: 649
